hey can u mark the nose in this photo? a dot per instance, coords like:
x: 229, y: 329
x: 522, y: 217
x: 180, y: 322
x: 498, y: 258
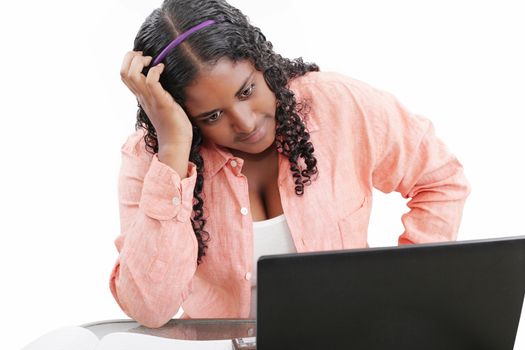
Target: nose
x: 243, y: 120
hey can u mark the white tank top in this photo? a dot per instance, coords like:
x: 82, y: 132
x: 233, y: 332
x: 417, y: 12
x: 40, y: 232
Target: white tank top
x: 269, y: 237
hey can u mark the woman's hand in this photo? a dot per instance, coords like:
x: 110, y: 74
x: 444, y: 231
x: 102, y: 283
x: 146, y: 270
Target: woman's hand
x: 169, y: 119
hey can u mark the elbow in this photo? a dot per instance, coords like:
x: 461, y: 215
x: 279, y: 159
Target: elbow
x: 152, y: 322
x: 463, y: 187
x: 152, y: 311
x: 147, y: 312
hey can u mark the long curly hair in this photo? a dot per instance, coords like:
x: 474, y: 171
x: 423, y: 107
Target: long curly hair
x: 235, y: 38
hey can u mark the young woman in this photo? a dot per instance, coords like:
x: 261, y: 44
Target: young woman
x: 240, y: 152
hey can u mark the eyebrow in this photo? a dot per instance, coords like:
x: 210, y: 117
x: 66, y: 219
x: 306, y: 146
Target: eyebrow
x: 205, y: 114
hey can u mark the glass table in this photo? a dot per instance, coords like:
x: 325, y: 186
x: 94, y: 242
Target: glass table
x: 186, y: 329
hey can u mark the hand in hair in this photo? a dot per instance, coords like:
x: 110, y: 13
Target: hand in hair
x: 169, y: 119
x: 174, y: 129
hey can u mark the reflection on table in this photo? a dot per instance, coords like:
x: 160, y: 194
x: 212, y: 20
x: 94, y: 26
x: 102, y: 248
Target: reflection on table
x: 187, y: 329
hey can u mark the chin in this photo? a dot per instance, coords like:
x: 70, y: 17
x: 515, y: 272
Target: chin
x: 258, y: 147
x: 264, y: 147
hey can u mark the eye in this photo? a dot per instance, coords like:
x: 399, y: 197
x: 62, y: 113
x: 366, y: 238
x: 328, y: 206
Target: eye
x: 212, y: 118
x: 248, y: 91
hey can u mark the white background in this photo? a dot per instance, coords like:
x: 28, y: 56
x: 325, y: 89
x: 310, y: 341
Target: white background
x: 65, y: 113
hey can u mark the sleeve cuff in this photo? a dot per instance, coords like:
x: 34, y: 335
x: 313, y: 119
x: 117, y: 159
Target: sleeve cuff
x: 164, y: 195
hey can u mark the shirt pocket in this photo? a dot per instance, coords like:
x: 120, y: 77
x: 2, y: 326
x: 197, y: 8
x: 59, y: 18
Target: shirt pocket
x: 353, y: 226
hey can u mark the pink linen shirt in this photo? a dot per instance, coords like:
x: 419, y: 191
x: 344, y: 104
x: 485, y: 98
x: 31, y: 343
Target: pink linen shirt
x: 363, y: 139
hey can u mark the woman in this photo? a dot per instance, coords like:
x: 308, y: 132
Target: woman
x: 240, y: 152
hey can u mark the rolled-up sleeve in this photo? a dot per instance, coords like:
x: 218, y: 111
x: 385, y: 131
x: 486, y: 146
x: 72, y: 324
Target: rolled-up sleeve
x: 164, y: 195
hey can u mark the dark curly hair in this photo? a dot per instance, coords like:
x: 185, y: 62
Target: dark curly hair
x: 235, y: 38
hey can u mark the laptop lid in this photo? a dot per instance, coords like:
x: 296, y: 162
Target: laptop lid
x: 453, y: 295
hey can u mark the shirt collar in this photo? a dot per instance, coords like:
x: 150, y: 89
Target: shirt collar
x: 214, y: 157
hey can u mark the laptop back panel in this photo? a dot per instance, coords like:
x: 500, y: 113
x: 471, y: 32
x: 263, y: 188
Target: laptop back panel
x: 457, y: 295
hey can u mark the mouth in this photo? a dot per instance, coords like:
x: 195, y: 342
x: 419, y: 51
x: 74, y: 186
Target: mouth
x: 257, y: 135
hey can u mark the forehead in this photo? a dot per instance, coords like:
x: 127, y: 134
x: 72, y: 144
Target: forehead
x: 217, y: 84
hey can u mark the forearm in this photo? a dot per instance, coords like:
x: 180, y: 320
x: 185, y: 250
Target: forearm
x: 176, y: 156
x: 152, y: 275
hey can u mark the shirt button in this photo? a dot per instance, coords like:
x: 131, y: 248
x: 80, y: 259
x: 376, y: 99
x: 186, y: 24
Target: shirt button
x: 233, y: 163
x: 244, y: 211
x: 248, y: 276
x: 175, y: 201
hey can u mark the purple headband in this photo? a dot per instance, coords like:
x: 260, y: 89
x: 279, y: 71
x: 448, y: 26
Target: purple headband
x: 178, y: 40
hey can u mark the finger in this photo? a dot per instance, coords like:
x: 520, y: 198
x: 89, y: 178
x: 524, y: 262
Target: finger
x: 126, y: 62
x: 152, y: 81
x: 135, y: 76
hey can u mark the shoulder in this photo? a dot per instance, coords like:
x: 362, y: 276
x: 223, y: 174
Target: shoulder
x: 330, y: 92
x: 337, y: 101
x: 335, y: 94
x: 318, y: 84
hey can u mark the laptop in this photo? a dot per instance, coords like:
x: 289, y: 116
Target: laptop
x: 444, y: 296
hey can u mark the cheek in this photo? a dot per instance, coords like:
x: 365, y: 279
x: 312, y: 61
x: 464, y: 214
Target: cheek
x: 268, y: 101
x: 218, y: 134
